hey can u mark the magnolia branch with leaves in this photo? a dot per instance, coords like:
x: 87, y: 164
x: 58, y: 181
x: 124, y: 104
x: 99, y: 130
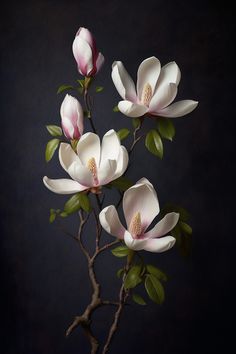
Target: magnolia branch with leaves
x: 96, y: 166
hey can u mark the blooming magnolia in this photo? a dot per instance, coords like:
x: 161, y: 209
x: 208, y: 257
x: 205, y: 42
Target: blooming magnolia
x: 94, y: 165
x: 88, y: 59
x: 72, y: 118
x: 140, y: 206
x: 156, y: 90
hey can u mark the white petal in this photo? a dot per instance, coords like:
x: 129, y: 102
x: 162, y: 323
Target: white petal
x: 86, y: 35
x: 141, y: 198
x: 100, y: 61
x: 163, y: 226
x: 122, y: 162
x: 148, y: 73
x: 110, y: 146
x: 131, y: 109
x: 134, y: 244
x: 67, y: 156
x: 144, y: 180
x: 159, y: 244
x: 81, y: 174
x: 170, y: 73
x: 178, y: 109
x: 106, y: 172
x: 110, y: 221
x: 83, y: 55
x: 123, y: 82
x: 163, y: 97
x: 88, y: 147
x: 63, y: 186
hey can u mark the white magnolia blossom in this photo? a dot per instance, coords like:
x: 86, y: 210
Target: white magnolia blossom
x: 72, y: 118
x: 140, y: 206
x: 94, y: 164
x: 156, y: 90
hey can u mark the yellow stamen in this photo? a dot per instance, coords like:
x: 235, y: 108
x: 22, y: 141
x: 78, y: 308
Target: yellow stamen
x: 146, y: 94
x: 91, y: 164
x: 135, y: 227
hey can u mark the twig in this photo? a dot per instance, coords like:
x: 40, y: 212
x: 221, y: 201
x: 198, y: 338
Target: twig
x: 88, y: 108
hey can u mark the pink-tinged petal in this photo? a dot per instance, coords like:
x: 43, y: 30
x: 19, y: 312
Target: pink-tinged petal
x: 144, y: 180
x: 106, y: 172
x: 88, y: 147
x: 148, y: 73
x: 87, y: 36
x: 110, y: 146
x: 134, y: 244
x: 163, y: 97
x: 67, y: 156
x: 81, y: 174
x: 141, y: 198
x: 131, y: 109
x: 158, y: 245
x: 163, y: 226
x: 123, y: 82
x: 83, y: 55
x: 110, y: 221
x: 99, y: 62
x: 68, y: 128
x: 63, y: 185
x: 122, y: 162
x: 72, y: 117
x: 170, y: 73
x: 177, y: 109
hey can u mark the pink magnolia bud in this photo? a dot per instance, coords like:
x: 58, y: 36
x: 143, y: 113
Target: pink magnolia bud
x: 88, y: 59
x: 72, y: 118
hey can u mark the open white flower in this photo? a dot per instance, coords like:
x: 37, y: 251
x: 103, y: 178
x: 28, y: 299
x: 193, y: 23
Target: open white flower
x: 156, y: 90
x: 94, y: 164
x: 140, y: 206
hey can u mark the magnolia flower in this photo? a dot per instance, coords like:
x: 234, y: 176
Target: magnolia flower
x: 156, y: 90
x: 140, y: 206
x: 92, y: 166
x: 72, y: 117
x: 88, y: 59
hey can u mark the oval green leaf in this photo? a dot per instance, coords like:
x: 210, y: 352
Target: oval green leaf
x: 154, y: 289
x: 116, y: 109
x: 120, y: 251
x: 136, y: 122
x: 154, y: 144
x: 54, y: 130
x: 99, y: 89
x: 51, y: 147
x: 138, y: 299
x: 84, y: 202
x: 133, y: 277
x: 185, y: 228
x: 63, y: 88
x: 72, y: 205
x: 156, y: 272
x: 166, y: 128
x: 123, y: 133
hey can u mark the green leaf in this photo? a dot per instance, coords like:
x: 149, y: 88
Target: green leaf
x: 72, y: 205
x: 166, y: 128
x: 138, y: 299
x: 123, y: 133
x: 120, y: 273
x: 185, y: 228
x: 54, y: 130
x: 80, y: 90
x: 154, y: 144
x: 136, y: 122
x: 52, y: 216
x: 99, y: 89
x: 84, y: 202
x: 81, y: 82
x: 154, y: 289
x: 120, y: 251
x: 51, y: 147
x: 133, y: 278
x: 63, y: 88
x: 116, y: 109
x: 63, y: 214
x: 156, y: 272
x: 122, y: 183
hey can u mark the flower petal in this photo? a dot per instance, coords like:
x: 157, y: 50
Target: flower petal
x: 123, y: 82
x: 141, y: 198
x: 170, y: 73
x: 110, y: 146
x: 106, y: 172
x: 110, y: 221
x: 88, y: 147
x: 148, y: 73
x: 178, y: 109
x: 163, y: 97
x: 86, y: 35
x: 83, y: 55
x: 63, y: 186
x: 67, y: 156
x: 134, y: 244
x: 100, y: 61
x: 163, y: 226
x: 122, y: 162
x: 131, y: 109
x: 159, y: 244
x: 81, y: 174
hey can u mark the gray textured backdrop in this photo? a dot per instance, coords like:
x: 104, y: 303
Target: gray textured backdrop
x: 43, y: 279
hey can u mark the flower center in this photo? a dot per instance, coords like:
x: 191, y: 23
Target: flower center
x: 146, y: 94
x: 135, y: 227
x: 92, y: 166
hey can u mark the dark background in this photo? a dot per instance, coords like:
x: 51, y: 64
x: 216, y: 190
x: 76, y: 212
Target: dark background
x: 43, y: 278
